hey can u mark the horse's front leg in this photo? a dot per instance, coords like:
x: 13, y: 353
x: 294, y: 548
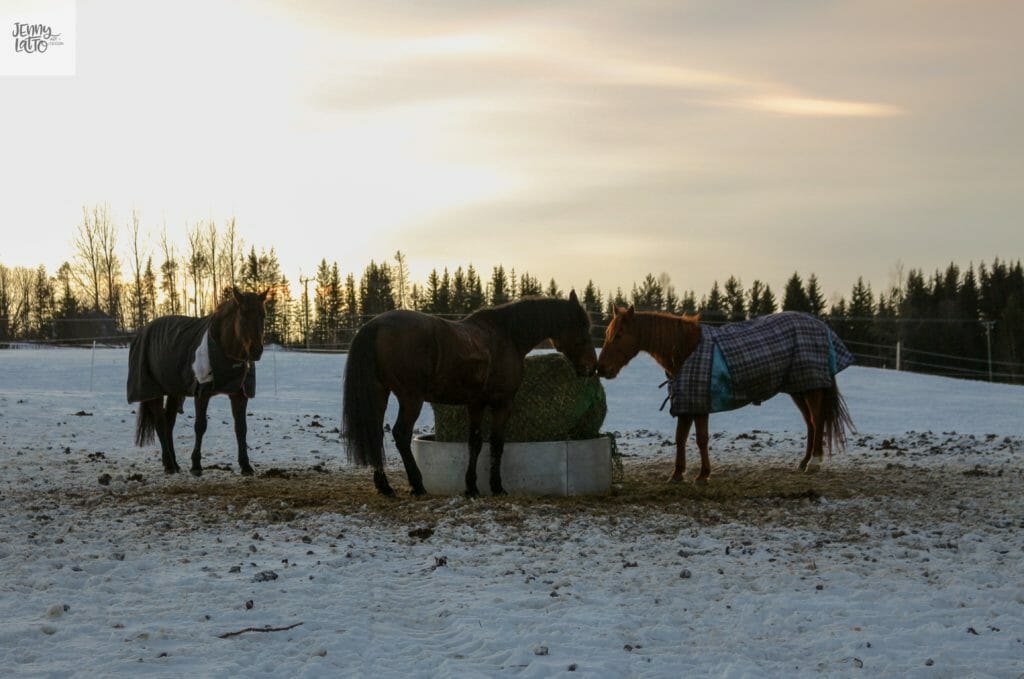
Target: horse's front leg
x: 476, y: 442
x: 239, y: 403
x: 202, y: 401
x: 499, y: 418
x: 683, y: 423
x: 702, y: 443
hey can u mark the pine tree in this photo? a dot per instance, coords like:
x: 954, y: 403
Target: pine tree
x: 499, y: 286
x: 351, y: 306
x: 553, y: 290
x: 860, y: 314
x: 432, y: 295
x: 688, y: 304
x: 459, y: 294
x: 795, y: 298
x: 375, y: 292
x: 711, y: 306
x: 529, y: 286
x: 592, y: 300
x: 475, y: 297
x: 815, y: 300
x: 734, y: 303
x: 444, y: 294
x: 649, y: 296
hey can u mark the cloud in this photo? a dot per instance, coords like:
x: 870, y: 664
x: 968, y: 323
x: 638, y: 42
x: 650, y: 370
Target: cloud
x: 807, y: 106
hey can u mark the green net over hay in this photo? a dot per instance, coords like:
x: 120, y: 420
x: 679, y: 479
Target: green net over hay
x: 552, y: 404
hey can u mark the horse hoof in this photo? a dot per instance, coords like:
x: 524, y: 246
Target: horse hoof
x: 813, y: 466
x: 498, y: 491
x: 196, y: 471
x: 675, y: 479
x: 248, y: 471
x: 701, y: 481
x: 472, y: 493
x: 171, y: 470
x: 418, y: 492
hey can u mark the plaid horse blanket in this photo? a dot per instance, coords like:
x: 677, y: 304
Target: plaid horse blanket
x: 751, y: 361
x: 175, y: 354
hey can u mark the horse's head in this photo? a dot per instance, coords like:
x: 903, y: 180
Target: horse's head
x: 621, y: 343
x: 574, y: 340
x: 247, y: 322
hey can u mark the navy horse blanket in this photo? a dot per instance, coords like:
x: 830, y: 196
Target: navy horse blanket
x: 751, y: 361
x: 174, y: 355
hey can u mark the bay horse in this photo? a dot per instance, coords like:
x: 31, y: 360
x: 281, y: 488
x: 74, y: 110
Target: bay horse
x: 476, y: 362
x: 175, y: 357
x: 803, y: 363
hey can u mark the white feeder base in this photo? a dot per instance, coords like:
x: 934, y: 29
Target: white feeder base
x: 535, y: 468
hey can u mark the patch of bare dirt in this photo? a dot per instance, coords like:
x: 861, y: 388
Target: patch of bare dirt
x: 838, y: 499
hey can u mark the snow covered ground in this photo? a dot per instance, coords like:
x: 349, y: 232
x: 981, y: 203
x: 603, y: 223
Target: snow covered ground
x: 902, y: 558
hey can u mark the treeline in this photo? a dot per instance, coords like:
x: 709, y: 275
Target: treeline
x: 947, y: 322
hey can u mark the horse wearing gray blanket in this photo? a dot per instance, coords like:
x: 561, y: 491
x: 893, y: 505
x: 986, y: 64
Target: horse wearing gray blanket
x: 713, y: 369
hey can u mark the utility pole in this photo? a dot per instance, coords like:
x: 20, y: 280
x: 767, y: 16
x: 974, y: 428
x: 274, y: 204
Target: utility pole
x: 988, y: 341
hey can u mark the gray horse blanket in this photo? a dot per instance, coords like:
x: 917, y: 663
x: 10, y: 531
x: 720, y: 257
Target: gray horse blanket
x: 163, y: 357
x: 751, y: 361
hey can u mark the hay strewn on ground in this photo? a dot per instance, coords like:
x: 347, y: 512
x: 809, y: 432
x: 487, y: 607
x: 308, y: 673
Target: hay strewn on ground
x: 553, y: 404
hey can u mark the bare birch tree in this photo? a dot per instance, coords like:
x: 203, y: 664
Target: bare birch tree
x: 87, y: 257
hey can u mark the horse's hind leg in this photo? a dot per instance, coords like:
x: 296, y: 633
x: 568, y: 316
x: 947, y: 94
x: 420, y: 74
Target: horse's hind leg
x: 202, y: 401
x: 815, y: 403
x: 702, y: 443
x: 166, y: 415
x: 408, y: 411
x: 238, y: 407
x: 801, y: 403
x: 380, y: 478
x: 499, y: 418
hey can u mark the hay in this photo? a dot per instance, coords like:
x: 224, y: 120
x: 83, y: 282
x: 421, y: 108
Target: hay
x: 552, y: 404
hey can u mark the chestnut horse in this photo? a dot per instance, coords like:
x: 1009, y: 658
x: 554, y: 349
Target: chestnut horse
x: 180, y: 356
x: 476, y: 362
x: 672, y: 339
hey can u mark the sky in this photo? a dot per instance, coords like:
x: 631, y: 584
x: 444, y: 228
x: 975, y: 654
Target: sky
x: 578, y: 140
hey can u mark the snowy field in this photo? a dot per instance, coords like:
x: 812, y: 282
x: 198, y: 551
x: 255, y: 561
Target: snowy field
x: 902, y: 558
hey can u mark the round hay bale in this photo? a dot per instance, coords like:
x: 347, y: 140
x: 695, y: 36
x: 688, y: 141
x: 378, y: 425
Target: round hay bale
x: 552, y: 404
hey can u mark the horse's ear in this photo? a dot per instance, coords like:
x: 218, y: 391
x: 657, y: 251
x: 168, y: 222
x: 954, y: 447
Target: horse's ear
x: 263, y: 295
x: 573, y: 297
x: 631, y: 311
x: 236, y: 295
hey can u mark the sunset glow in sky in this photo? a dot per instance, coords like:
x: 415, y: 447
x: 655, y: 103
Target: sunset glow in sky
x: 583, y: 139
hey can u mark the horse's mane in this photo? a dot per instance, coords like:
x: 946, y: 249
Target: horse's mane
x: 669, y: 337
x: 530, y: 319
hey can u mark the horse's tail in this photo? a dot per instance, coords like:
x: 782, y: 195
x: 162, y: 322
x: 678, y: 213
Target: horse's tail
x: 363, y: 425
x: 145, y: 424
x: 837, y: 419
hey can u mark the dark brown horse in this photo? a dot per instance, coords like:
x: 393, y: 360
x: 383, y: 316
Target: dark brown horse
x: 476, y: 362
x: 671, y: 340
x: 180, y: 356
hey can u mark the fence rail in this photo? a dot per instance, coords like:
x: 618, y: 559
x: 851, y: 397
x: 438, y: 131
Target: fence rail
x: 896, y: 355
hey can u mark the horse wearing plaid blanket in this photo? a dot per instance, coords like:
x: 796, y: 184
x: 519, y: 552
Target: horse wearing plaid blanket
x: 715, y: 369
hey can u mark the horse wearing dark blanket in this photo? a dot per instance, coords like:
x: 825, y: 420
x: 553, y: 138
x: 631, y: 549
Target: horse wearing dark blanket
x: 716, y: 369
x: 180, y: 356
